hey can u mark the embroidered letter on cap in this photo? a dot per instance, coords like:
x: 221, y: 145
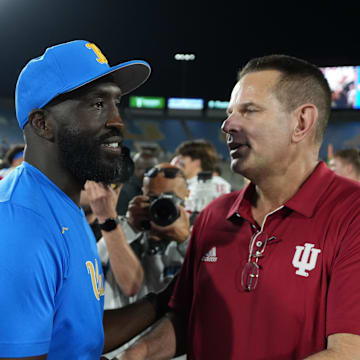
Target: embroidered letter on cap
x: 100, y: 57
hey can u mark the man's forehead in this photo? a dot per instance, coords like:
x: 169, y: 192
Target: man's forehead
x: 104, y: 85
x: 254, y: 84
x: 101, y: 87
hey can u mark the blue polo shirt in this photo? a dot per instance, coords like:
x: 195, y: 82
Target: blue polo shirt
x: 50, y: 274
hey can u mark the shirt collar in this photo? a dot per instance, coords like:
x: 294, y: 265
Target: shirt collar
x: 242, y: 204
x: 308, y: 196
x: 304, y: 201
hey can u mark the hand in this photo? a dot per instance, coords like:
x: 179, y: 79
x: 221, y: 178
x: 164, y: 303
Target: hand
x: 139, y: 212
x: 178, y: 231
x: 103, y: 199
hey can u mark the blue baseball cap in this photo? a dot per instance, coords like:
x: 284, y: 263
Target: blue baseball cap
x: 66, y: 67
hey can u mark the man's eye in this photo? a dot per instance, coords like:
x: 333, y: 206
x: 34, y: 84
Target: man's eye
x: 249, y: 110
x: 99, y: 104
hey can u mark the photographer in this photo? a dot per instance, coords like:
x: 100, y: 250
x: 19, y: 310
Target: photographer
x: 161, y: 223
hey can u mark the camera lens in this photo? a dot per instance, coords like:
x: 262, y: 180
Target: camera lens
x: 164, y: 211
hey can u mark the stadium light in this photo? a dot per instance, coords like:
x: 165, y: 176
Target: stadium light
x: 185, y: 57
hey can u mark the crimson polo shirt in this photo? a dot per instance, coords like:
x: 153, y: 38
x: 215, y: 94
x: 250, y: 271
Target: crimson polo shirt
x: 308, y: 285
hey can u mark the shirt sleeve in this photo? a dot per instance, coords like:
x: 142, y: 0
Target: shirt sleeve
x: 343, y: 302
x: 30, y: 273
x: 102, y: 251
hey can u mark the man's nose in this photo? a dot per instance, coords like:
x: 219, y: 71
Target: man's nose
x: 227, y: 125
x: 115, y: 119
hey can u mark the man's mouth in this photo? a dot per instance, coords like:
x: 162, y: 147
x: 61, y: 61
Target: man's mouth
x: 112, y: 144
x: 236, y: 149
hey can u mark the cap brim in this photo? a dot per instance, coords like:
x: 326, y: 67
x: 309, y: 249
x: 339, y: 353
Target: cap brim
x: 131, y: 75
x: 128, y: 76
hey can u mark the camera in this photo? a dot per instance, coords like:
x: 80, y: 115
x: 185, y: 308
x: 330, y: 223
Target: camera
x: 164, y: 209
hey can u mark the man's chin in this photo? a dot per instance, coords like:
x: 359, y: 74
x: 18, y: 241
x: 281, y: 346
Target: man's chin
x: 237, y: 166
x: 115, y: 173
x: 103, y: 174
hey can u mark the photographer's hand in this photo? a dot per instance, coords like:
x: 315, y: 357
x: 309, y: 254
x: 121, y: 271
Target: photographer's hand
x: 138, y: 212
x: 178, y: 231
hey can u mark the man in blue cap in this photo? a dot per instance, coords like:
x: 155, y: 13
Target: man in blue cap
x: 67, y: 105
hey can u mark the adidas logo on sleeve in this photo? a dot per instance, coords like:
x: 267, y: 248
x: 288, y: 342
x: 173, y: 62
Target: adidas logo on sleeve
x: 210, y: 256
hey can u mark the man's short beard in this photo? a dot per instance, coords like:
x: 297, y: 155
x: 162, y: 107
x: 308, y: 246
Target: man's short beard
x: 83, y: 157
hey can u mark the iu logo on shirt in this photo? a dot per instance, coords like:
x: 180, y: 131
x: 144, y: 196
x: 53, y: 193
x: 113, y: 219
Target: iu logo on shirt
x: 96, y: 279
x: 308, y: 256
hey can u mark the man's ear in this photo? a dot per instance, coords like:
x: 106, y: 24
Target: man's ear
x: 197, y: 163
x: 306, y: 120
x: 350, y: 169
x: 39, y: 120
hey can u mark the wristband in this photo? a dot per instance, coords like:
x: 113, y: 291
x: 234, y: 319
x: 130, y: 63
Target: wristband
x: 109, y: 224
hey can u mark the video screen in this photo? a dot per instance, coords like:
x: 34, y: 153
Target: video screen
x: 344, y: 85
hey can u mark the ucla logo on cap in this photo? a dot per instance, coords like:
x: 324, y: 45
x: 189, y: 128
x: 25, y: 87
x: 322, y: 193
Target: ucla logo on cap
x: 100, y: 57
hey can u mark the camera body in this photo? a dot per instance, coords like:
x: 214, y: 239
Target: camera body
x: 164, y: 209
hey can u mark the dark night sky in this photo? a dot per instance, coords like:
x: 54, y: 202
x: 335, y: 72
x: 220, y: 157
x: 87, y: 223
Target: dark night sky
x: 222, y: 35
